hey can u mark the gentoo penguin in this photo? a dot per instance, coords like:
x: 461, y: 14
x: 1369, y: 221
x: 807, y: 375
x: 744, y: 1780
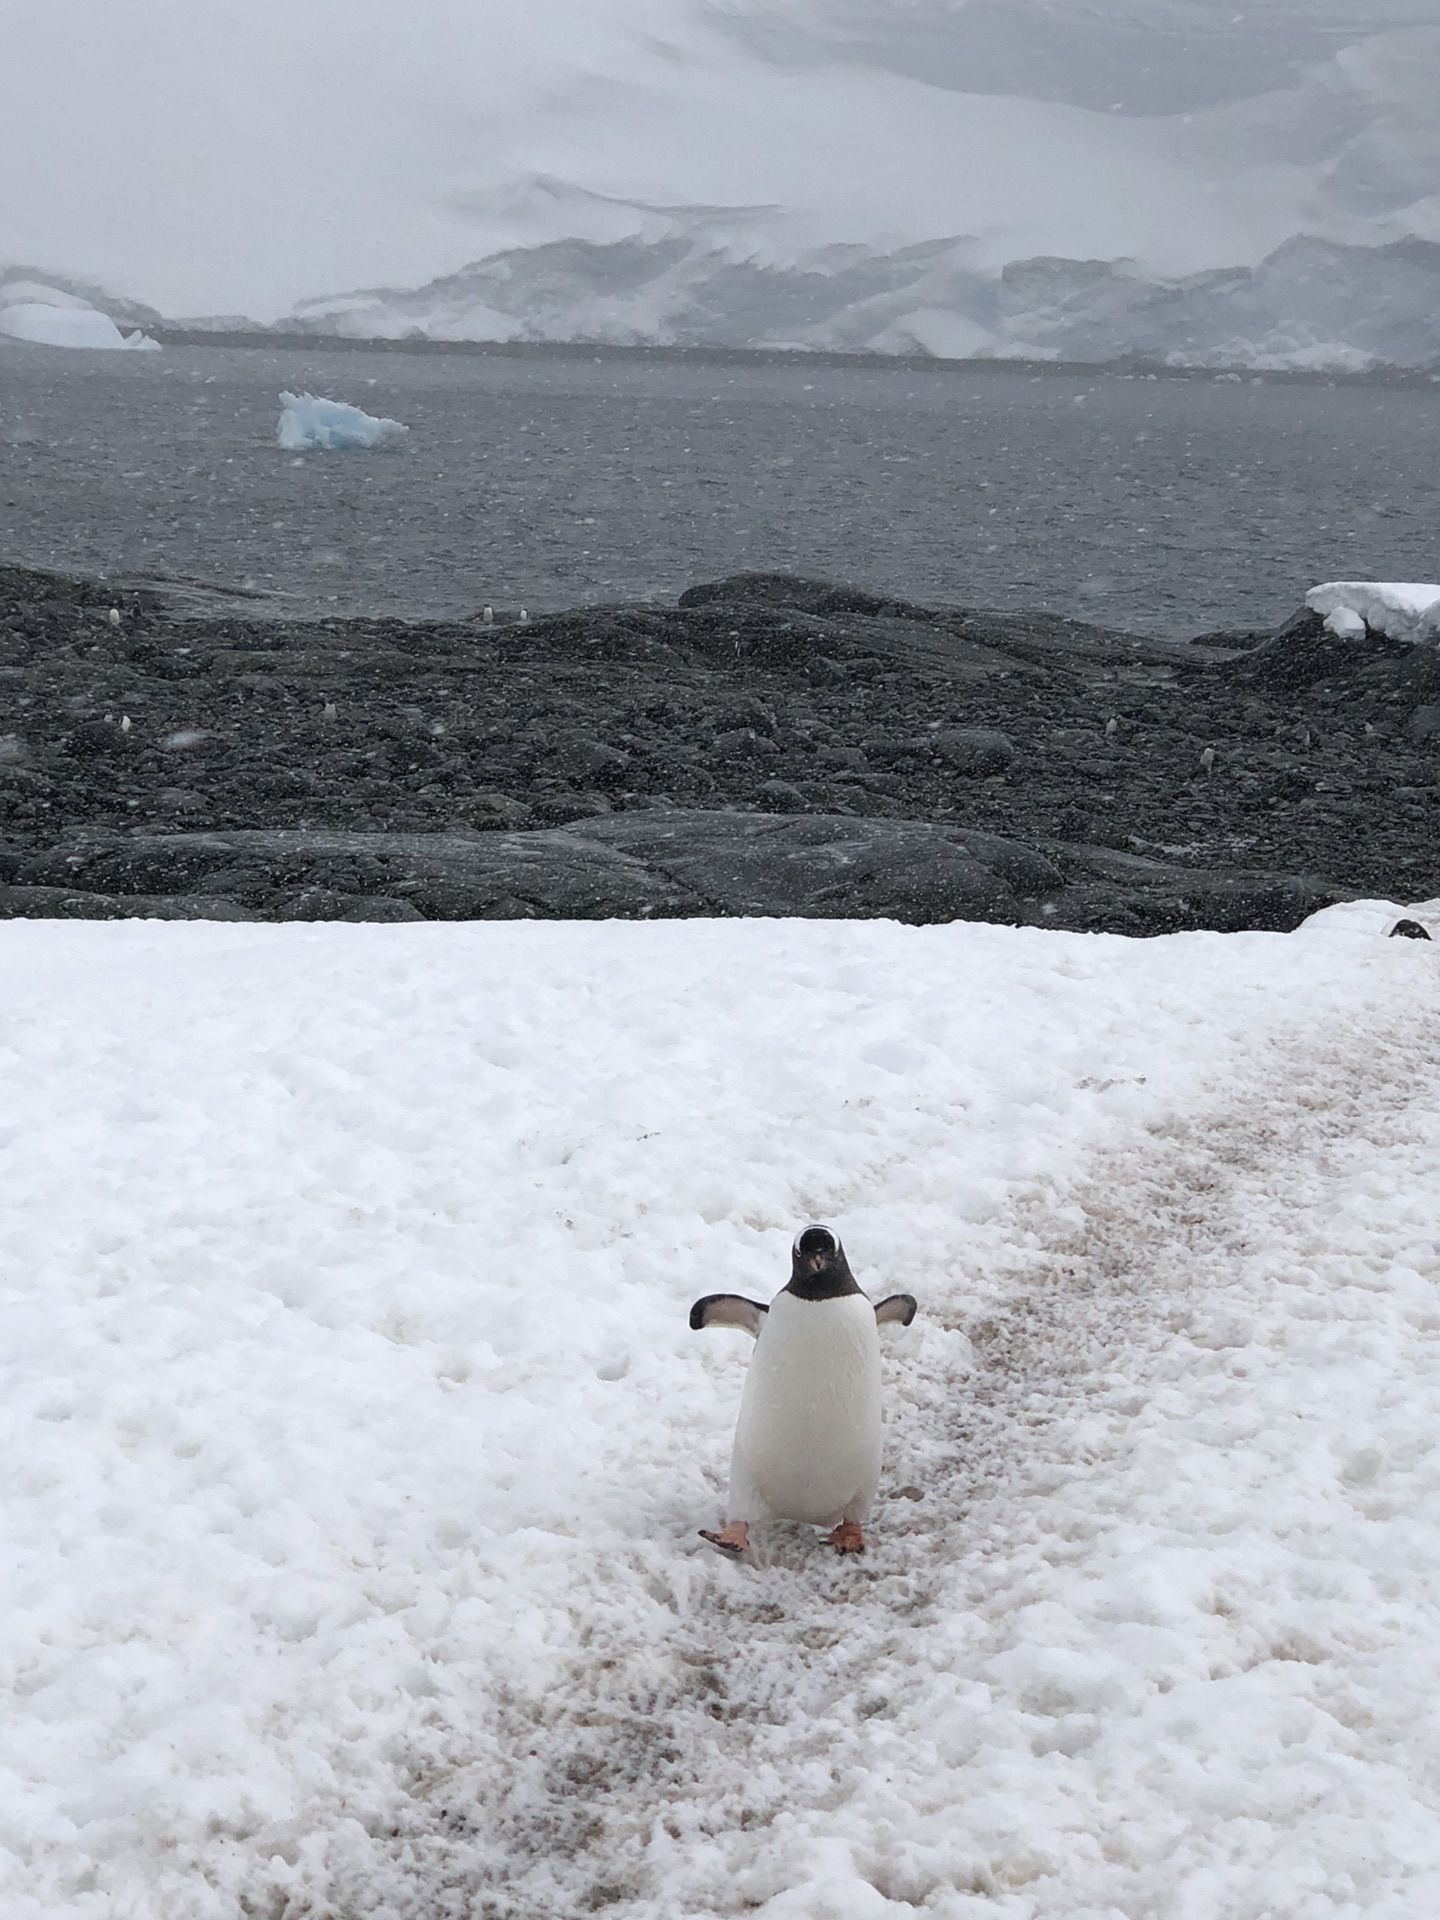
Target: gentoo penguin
x: 807, y: 1444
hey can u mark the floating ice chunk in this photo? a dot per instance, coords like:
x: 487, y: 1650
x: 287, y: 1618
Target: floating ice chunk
x: 1402, y: 609
x: 327, y: 426
x: 49, y: 326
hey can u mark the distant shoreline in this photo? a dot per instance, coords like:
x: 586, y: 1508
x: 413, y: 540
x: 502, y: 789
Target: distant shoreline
x: 1132, y: 369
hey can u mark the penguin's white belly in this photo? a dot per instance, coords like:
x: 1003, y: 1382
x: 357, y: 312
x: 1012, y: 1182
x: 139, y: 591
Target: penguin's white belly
x: 807, y: 1446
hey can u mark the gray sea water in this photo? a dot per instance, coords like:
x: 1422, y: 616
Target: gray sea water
x: 1167, y: 506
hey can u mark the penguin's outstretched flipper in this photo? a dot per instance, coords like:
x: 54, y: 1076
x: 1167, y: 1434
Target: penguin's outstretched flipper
x: 728, y: 1310
x: 733, y: 1541
x: 900, y: 1307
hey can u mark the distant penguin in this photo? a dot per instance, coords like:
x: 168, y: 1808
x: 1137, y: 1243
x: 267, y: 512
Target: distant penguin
x: 807, y: 1443
x: 1408, y: 930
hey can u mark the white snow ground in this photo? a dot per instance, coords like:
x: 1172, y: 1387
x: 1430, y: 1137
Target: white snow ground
x: 355, y: 1440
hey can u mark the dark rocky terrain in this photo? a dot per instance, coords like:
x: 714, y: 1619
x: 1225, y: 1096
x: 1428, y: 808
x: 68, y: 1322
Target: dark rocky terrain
x: 769, y: 745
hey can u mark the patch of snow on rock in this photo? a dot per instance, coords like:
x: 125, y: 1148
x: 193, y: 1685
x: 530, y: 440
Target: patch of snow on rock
x: 1400, y: 609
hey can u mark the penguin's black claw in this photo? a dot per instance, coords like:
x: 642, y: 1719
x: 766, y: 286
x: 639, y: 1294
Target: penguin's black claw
x: 733, y: 1549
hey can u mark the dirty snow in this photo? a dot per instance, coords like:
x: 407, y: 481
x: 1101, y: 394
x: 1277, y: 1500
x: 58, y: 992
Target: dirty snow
x: 355, y: 1440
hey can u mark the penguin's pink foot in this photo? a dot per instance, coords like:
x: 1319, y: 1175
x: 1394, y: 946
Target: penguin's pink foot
x: 846, y: 1538
x: 733, y: 1539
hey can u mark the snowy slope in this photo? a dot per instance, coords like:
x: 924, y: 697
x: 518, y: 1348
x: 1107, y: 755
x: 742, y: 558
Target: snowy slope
x: 1311, y: 305
x: 248, y: 160
x: 355, y: 1441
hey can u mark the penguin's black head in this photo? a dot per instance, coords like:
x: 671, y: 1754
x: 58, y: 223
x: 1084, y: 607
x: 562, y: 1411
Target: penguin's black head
x: 818, y: 1267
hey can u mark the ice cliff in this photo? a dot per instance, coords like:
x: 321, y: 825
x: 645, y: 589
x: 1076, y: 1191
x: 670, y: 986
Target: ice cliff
x: 1311, y: 304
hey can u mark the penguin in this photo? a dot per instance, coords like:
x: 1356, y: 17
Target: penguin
x: 807, y: 1443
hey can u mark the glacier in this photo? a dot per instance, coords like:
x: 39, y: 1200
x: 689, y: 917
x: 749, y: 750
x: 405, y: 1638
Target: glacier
x: 1310, y: 306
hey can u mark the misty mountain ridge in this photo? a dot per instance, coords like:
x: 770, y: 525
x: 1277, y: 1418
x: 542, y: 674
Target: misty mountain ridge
x: 1169, y: 180
x: 1311, y: 305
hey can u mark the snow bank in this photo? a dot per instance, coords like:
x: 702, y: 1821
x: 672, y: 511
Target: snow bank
x: 69, y: 326
x: 1405, y: 610
x: 308, y: 423
x: 354, y: 1439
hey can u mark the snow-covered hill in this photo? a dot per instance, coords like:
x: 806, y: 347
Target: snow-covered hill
x: 1310, y: 305
x: 836, y: 172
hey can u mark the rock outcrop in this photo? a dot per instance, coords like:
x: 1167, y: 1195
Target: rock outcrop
x: 770, y: 745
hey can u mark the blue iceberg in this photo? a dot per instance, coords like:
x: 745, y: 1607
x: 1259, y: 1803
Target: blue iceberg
x: 310, y: 424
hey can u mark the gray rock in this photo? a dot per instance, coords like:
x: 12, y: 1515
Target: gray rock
x: 782, y: 796
x: 580, y: 761
x: 311, y: 903
x: 69, y: 903
x: 498, y: 812
x: 550, y: 875
x: 747, y: 711
x: 849, y: 759
x: 975, y: 750
x: 96, y: 739
x: 819, y: 866
x: 1158, y: 897
x: 1418, y: 672
x: 658, y: 861
x: 382, y: 910
x: 662, y: 861
x: 1019, y: 866
x: 742, y: 743
x: 789, y: 590
x: 1303, y: 651
x: 1088, y: 908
